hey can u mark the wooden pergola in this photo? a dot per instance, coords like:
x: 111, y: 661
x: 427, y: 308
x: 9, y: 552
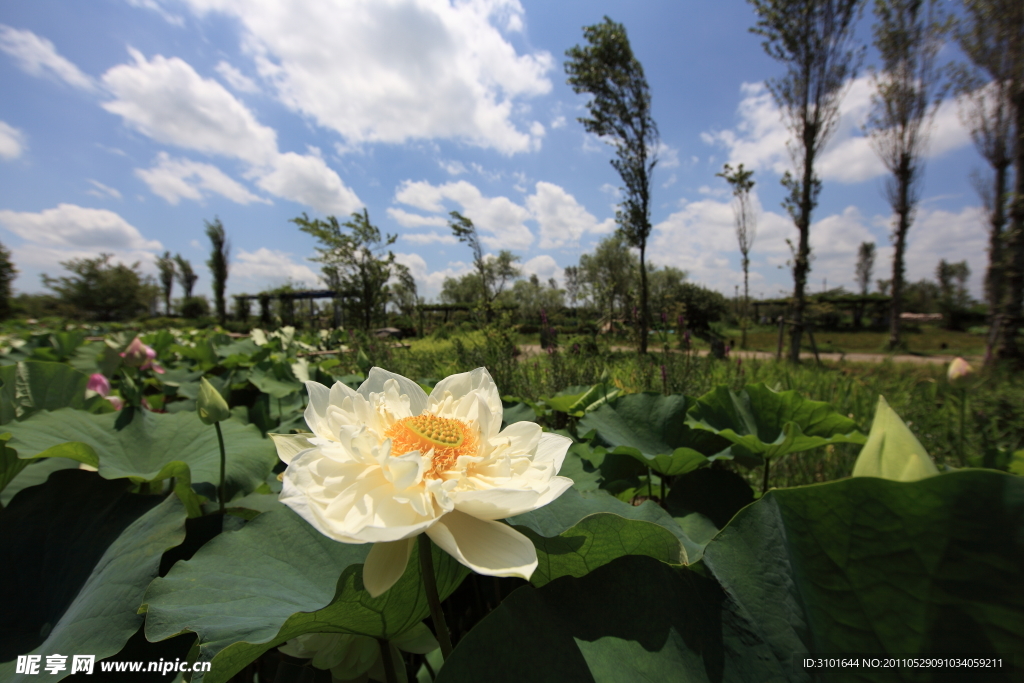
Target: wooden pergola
x: 288, y: 299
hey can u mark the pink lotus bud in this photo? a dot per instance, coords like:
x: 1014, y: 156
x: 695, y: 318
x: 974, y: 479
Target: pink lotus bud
x: 98, y: 384
x: 137, y: 353
x: 116, y: 401
x: 960, y: 373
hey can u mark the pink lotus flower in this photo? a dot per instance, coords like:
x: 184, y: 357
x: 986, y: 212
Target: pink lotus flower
x: 140, y: 356
x: 98, y: 384
x: 116, y: 401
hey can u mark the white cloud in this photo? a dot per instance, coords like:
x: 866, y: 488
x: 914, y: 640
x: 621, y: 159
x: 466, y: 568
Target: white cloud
x: 176, y: 179
x: 168, y: 101
x: 235, y: 78
x: 266, y: 265
x: 499, y: 219
x: 308, y: 180
x: 544, y: 267
x: 70, y: 225
x: 668, y: 157
x: 173, y: 19
x: 100, y: 190
x: 453, y: 167
x: 561, y: 218
x: 558, y: 122
x: 760, y: 137
x: 412, y: 220
x: 430, y: 238
x: 12, y: 141
x: 429, y: 283
x: 39, y: 57
x: 398, y: 71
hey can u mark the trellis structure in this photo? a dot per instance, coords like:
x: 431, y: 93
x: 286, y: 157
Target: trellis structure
x: 287, y: 300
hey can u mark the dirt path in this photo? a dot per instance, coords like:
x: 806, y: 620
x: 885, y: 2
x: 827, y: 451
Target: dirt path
x: 530, y: 350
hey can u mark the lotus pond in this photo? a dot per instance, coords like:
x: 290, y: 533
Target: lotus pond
x: 621, y: 535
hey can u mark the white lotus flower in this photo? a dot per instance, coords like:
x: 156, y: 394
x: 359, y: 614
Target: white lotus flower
x: 357, y: 659
x: 387, y: 463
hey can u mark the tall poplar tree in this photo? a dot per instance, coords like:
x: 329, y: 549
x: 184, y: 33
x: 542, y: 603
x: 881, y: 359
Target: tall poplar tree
x: 741, y: 181
x: 186, y: 276
x: 620, y: 113
x: 814, y: 40
x: 908, y: 90
x: 991, y: 34
x: 165, y: 264
x: 218, y: 264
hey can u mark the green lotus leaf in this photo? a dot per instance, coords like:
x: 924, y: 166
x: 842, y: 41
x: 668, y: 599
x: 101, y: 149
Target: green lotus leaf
x: 892, y: 451
x: 278, y: 578
x: 652, y: 428
x: 762, y: 423
x: 149, y: 444
x: 859, y: 567
x: 88, y: 605
x: 32, y: 386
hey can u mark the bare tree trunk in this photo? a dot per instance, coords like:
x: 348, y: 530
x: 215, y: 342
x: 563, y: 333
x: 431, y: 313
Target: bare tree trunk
x: 643, y: 298
x: 1013, y: 298
x: 746, y: 299
x: 903, y: 180
x: 802, y: 265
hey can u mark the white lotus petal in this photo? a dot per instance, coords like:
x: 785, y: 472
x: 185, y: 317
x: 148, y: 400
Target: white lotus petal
x: 460, y: 385
x: 418, y: 640
x: 522, y: 437
x: 495, y: 503
x: 290, y: 445
x: 552, y: 448
x: 316, y: 409
x: 385, y: 565
x: 556, y: 487
x: 360, y: 655
x: 486, y: 547
x: 376, y: 380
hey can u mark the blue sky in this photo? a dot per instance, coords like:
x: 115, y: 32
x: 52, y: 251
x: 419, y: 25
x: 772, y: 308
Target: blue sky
x: 125, y: 123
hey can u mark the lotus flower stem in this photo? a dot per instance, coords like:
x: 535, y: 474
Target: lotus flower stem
x: 389, y: 664
x: 764, y: 483
x: 444, y: 639
x: 221, y: 492
x: 963, y: 412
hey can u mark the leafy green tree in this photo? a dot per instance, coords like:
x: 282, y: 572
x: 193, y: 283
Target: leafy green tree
x: 865, y: 267
x: 165, y: 264
x: 357, y: 261
x: 620, y: 112
x: 813, y: 38
x: 492, y: 274
x: 498, y: 272
x: 532, y: 296
x: 991, y: 34
x: 403, y: 290
x: 608, y: 276
x: 953, y: 295
x: 218, y: 265
x: 186, y: 276
x: 7, y: 274
x: 666, y: 290
x: 746, y: 226
x: 99, y: 289
x: 908, y: 90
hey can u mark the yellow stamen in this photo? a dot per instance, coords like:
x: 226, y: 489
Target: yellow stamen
x: 448, y: 438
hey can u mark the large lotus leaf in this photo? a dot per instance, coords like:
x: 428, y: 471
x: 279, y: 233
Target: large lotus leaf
x: 632, y: 620
x: 83, y: 550
x: 248, y: 591
x: 892, y: 451
x: 32, y: 386
x: 36, y: 472
x: 275, y: 379
x: 652, y: 428
x: 150, y: 443
x: 570, y: 508
x: 766, y: 424
x: 867, y: 565
x: 597, y: 540
x: 10, y: 464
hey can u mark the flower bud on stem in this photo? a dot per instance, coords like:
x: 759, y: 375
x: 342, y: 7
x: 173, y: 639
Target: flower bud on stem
x: 444, y: 638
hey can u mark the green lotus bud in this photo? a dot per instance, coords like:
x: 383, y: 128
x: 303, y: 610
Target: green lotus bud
x: 210, y: 405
